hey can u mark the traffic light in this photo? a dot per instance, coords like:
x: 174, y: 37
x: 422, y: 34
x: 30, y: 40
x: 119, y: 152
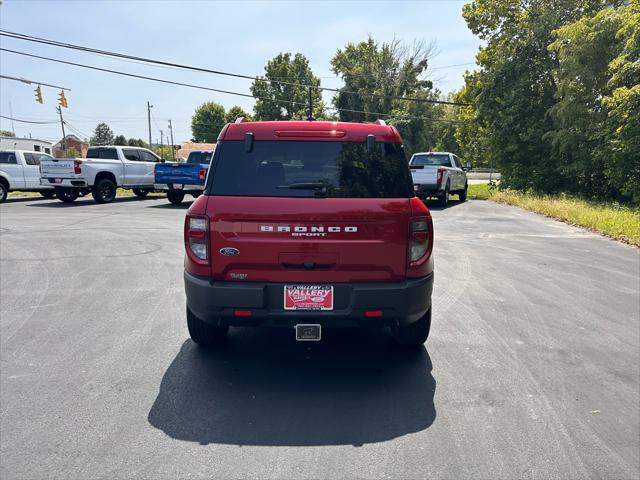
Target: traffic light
x: 38, y: 94
x: 62, y: 100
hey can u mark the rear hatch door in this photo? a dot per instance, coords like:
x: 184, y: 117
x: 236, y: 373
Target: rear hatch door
x: 309, y: 240
x: 309, y: 211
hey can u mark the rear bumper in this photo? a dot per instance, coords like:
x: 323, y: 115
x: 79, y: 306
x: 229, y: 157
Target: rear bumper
x: 185, y: 187
x: 64, y: 182
x: 428, y: 190
x: 401, y: 303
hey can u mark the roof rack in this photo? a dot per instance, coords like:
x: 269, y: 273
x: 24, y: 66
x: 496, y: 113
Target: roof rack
x: 239, y: 120
x: 380, y: 122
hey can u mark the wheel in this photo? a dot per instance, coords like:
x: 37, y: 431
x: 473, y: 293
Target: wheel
x: 175, y: 196
x: 67, y: 195
x: 4, y: 192
x: 140, y: 193
x: 463, y: 194
x: 414, y: 334
x: 443, y: 201
x: 104, y: 191
x: 205, y: 334
x: 48, y: 193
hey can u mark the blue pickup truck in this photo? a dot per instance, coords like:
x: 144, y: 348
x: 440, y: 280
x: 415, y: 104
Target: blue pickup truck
x: 179, y: 179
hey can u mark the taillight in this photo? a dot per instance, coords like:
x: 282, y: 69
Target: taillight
x: 202, y: 174
x: 77, y: 167
x: 420, y: 242
x: 440, y: 175
x: 197, y: 232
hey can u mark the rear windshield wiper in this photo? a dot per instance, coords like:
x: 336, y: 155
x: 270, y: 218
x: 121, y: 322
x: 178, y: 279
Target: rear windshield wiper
x: 319, y: 187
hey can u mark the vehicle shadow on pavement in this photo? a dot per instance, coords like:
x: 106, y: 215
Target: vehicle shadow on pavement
x: 184, y: 205
x: 88, y: 200
x: 263, y: 388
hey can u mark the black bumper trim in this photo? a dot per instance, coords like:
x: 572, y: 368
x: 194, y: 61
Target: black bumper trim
x: 401, y: 303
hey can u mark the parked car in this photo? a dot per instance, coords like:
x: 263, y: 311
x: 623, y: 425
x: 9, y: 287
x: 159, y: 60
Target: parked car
x: 102, y: 172
x: 438, y: 174
x: 20, y: 171
x: 308, y: 225
x: 179, y: 179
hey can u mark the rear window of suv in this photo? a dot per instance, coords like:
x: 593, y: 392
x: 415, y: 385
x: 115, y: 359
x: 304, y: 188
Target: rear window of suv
x: 298, y: 169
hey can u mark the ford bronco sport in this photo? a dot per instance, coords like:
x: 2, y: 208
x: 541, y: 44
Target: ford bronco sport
x: 308, y: 225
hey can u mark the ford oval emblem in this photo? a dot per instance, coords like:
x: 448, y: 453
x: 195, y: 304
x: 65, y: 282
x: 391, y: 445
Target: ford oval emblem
x: 229, y: 251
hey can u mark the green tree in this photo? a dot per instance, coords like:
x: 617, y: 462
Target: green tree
x: 120, y: 140
x: 376, y: 72
x: 234, y: 112
x: 7, y: 133
x: 373, y: 74
x: 71, y: 152
x: 102, y: 135
x: 515, y: 87
x: 207, y: 121
x: 285, y: 101
x: 137, y: 142
x: 164, y: 152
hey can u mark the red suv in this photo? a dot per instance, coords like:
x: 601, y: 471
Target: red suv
x: 308, y: 225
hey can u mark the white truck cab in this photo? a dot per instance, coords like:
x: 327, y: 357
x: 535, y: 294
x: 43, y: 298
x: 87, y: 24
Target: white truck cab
x: 20, y: 171
x: 438, y: 174
x: 102, y: 172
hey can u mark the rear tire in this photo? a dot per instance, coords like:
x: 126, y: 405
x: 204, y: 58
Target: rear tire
x: 175, y: 197
x: 104, y: 191
x: 48, y: 193
x: 414, y: 334
x: 140, y: 193
x: 443, y: 201
x: 4, y: 193
x: 205, y: 334
x: 67, y: 195
x: 463, y: 194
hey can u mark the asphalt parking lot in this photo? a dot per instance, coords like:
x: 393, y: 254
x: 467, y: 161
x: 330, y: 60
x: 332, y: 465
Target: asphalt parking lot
x: 532, y: 369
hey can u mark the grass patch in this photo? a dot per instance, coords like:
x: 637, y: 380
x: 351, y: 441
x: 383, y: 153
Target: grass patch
x: 608, y: 218
x: 479, y: 191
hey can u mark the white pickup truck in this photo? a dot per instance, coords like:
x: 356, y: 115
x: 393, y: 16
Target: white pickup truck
x: 20, y: 170
x: 438, y: 174
x: 102, y: 172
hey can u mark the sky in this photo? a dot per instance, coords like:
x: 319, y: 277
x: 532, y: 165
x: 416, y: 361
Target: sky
x: 238, y: 37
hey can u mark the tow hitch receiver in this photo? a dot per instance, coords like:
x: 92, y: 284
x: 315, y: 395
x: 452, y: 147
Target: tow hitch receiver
x: 308, y: 332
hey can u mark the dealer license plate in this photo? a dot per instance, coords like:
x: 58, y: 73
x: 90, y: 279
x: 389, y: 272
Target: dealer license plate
x: 308, y: 297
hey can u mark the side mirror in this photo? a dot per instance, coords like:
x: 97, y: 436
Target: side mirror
x: 468, y: 166
x: 162, y: 160
x: 248, y: 142
x: 371, y: 143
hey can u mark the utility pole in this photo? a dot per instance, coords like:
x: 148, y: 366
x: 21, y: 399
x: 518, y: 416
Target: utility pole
x: 173, y: 150
x: 64, y: 137
x: 149, y: 107
x: 161, y: 142
x: 310, y: 107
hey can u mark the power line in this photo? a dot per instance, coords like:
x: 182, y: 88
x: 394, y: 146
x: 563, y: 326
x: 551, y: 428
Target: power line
x: 228, y: 92
x: 143, y: 77
x: 28, y: 121
x: 55, y: 43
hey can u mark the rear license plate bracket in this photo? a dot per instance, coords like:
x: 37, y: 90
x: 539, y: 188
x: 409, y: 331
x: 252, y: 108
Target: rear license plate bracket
x: 308, y: 332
